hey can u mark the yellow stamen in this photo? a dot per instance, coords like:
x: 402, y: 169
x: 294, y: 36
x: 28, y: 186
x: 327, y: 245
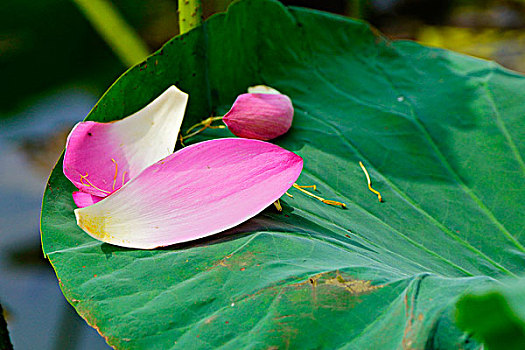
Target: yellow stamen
x: 277, y: 204
x: 325, y: 201
x: 370, y: 182
x: 289, y: 195
x: 331, y: 202
x: 123, y: 178
x: 309, y: 186
x: 196, y: 125
x: 193, y: 133
x: 116, y: 173
x: 84, y: 178
x: 206, y: 123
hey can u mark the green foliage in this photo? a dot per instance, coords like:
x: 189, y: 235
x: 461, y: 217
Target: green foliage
x: 46, y: 44
x: 440, y: 133
x: 495, y: 315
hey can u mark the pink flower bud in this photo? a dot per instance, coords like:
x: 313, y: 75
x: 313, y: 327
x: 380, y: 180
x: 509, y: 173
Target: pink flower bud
x: 261, y: 116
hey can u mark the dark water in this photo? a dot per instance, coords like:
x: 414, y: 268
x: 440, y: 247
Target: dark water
x: 38, y: 316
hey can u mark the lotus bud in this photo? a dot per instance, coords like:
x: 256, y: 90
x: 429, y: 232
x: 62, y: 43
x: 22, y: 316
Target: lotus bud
x: 263, y: 114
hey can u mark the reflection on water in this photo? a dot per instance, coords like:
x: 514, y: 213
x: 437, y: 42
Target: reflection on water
x: 38, y: 316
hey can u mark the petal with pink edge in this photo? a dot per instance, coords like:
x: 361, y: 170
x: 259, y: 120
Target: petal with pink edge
x: 83, y: 199
x: 200, y: 190
x: 101, y: 157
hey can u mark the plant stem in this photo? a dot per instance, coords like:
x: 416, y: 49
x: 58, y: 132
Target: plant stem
x: 190, y: 15
x: 119, y: 35
x: 356, y: 8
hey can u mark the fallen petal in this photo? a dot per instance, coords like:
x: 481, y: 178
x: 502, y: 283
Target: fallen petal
x: 83, y: 199
x: 101, y: 157
x: 261, y: 116
x: 200, y: 190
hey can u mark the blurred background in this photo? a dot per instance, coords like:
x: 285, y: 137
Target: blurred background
x: 57, y: 57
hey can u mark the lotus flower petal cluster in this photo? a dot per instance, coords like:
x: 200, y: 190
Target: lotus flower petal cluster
x: 263, y: 114
x: 134, y: 192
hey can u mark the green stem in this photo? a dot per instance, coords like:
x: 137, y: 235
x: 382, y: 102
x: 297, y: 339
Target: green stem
x: 190, y: 15
x: 357, y: 8
x: 119, y: 35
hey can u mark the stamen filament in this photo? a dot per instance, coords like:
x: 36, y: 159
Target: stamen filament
x: 289, y: 195
x: 123, y: 178
x: 84, y: 177
x: 309, y: 186
x: 193, y: 133
x: 325, y: 201
x: 206, y: 122
x: 370, y: 182
x: 116, y: 173
x: 82, y: 180
x: 278, y: 206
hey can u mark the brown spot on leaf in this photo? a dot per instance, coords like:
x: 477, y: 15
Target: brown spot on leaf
x: 332, y: 290
x: 235, y: 261
x: 353, y: 286
x: 210, y: 319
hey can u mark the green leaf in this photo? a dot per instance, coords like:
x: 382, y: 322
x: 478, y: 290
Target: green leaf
x: 441, y: 135
x: 495, y: 315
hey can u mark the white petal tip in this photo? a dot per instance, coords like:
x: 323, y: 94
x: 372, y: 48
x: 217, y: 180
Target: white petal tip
x: 262, y: 89
x: 173, y: 90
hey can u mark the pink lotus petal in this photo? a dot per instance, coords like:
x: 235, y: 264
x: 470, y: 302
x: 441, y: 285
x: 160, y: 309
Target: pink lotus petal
x: 83, y: 199
x: 261, y: 116
x: 198, y: 191
x: 101, y: 157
